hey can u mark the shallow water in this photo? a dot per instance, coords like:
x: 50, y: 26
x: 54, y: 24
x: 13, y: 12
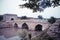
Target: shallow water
x: 9, y: 34
x: 12, y: 33
x: 11, y: 38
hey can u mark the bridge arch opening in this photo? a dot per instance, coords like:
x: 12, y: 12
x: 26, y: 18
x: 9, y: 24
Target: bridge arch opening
x: 38, y: 27
x: 15, y: 25
x: 24, y: 26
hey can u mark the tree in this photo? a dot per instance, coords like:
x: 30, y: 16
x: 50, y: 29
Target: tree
x: 1, y: 17
x: 39, y: 5
x: 52, y: 20
x: 40, y: 17
x: 24, y: 17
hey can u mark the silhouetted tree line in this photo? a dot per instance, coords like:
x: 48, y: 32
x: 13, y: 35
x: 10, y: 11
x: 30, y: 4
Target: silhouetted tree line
x: 40, y: 5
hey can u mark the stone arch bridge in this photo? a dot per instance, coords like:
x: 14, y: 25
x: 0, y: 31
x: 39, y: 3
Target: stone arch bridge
x: 29, y: 23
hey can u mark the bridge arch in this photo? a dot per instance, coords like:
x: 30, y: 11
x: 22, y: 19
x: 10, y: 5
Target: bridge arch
x: 38, y: 27
x: 25, y: 26
x: 15, y: 25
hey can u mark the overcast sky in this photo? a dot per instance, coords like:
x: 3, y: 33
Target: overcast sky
x: 12, y: 7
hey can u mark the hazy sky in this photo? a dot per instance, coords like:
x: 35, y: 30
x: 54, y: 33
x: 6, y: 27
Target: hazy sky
x: 12, y: 7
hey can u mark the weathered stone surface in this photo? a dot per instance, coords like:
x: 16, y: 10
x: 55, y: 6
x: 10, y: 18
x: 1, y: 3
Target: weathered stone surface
x: 54, y: 30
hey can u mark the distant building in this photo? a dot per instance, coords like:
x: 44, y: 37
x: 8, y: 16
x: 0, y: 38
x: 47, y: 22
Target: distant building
x: 9, y: 17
